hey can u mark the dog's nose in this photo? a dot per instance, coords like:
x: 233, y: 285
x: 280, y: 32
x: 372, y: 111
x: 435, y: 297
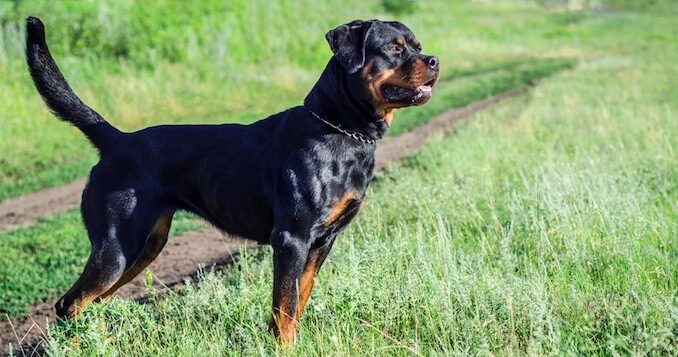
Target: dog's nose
x: 432, y: 62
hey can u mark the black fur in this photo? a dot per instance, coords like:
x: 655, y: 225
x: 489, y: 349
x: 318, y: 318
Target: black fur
x: 348, y: 44
x: 56, y: 92
x: 289, y: 180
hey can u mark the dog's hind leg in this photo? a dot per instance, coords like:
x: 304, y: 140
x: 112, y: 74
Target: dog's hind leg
x: 154, y: 243
x: 104, y: 267
x: 118, y: 223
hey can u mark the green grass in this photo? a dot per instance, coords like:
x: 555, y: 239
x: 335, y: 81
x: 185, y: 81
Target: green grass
x: 465, y: 87
x: 511, y: 237
x: 41, y: 261
x: 544, y: 226
x: 474, y: 84
x: 56, y: 246
x: 146, y: 63
x: 547, y: 226
x: 32, y: 280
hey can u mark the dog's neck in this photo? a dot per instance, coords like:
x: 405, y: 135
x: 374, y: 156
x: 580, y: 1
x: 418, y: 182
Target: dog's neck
x: 334, y: 100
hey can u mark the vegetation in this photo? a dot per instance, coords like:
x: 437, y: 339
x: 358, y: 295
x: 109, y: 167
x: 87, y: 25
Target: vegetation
x: 463, y: 87
x: 544, y: 226
x: 42, y: 261
x: 144, y: 63
x: 57, y: 247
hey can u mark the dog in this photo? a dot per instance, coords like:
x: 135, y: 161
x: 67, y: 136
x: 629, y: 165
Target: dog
x: 293, y: 180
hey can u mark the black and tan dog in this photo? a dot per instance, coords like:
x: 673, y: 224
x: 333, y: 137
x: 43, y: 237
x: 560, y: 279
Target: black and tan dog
x: 293, y: 180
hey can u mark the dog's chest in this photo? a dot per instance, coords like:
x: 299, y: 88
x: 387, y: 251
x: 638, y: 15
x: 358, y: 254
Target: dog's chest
x: 345, y: 170
x: 344, y: 179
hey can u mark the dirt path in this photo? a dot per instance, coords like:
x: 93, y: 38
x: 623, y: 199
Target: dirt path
x: 183, y: 254
x: 24, y: 210
x: 394, y: 149
x: 178, y: 262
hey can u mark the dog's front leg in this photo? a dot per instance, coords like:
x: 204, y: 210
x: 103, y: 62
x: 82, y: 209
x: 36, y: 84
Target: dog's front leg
x: 290, y: 252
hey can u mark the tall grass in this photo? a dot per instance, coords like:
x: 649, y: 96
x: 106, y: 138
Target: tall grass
x: 545, y: 226
x: 57, y: 245
x: 143, y: 63
x: 478, y: 250
x: 40, y: 262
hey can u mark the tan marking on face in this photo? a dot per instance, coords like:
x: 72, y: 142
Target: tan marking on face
x: 388, y: 116
x: 374, y: 83
x: 416, y: 43
x: 400, y: 41
x: 416, y: 76
x: 339, y: 207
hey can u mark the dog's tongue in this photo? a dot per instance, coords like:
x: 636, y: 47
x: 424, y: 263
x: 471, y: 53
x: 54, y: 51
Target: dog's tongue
x: 424, y: 89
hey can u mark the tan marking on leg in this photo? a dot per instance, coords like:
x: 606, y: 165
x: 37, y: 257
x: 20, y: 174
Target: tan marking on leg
x: 306, y: 282
x: 155, y: 242
x: 282, y: 322
x: 85, y: 299
x: 339, y: 207
x: 315, y: 260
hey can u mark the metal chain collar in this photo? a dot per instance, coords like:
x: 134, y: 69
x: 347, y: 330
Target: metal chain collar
x: 355, y: 135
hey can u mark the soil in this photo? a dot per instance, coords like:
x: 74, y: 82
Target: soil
x: 183, y: 255
x: 177, y: 263
x: 393, y: 149
x: 24, y: 210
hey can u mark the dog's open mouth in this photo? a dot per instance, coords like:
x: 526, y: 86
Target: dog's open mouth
x: 396, y: 94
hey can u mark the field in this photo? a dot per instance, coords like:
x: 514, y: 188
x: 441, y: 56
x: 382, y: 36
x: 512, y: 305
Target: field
x: 546, y: 225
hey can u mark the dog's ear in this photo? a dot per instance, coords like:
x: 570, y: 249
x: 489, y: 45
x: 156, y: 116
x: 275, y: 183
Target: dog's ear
x: 348, y: 44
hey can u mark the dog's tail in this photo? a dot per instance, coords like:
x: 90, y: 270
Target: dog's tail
x: 58, y: 95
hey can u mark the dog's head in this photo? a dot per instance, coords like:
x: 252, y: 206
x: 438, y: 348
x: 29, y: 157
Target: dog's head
x: 383, y: 61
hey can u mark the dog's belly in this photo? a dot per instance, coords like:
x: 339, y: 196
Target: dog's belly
x: 216, y: 172
x: 246, y: 220
x: 237, y: 207
x: 256, y: 227
x: 231, y: 195
x: 248, y: 217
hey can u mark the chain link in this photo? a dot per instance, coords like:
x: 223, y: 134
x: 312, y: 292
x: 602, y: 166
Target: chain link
x: 355, y: 135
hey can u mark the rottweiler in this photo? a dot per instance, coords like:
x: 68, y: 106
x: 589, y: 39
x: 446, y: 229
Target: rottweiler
x: 293, y: 180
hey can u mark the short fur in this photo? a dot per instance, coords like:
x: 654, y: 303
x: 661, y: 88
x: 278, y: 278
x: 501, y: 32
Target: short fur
x: 290, y: 180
